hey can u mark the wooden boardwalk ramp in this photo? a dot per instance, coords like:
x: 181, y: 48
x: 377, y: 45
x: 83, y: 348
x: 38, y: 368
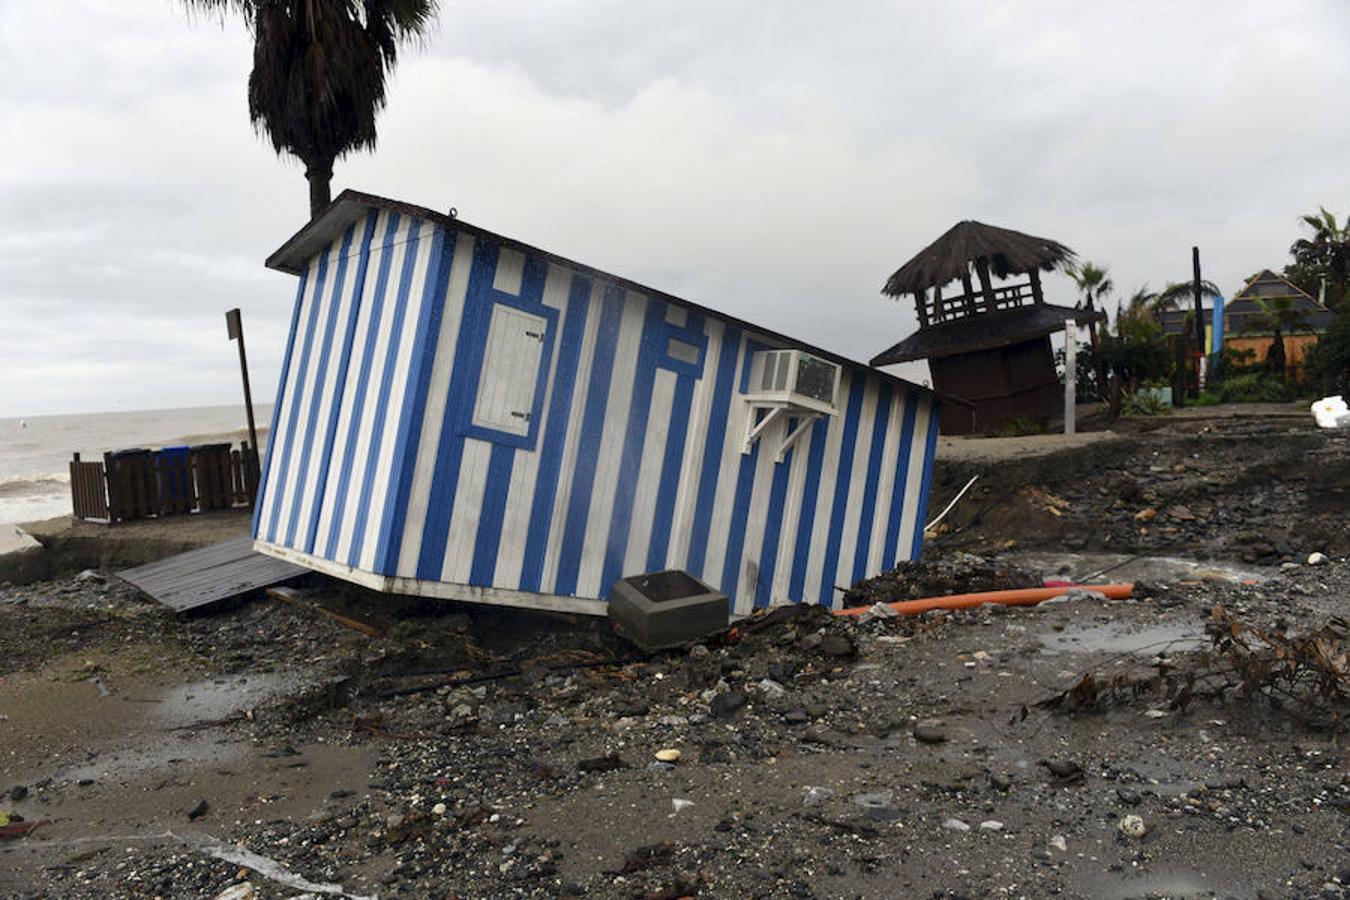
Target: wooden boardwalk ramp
x: 197, y: 578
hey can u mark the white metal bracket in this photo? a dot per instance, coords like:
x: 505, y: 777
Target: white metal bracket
x: 753, y: 429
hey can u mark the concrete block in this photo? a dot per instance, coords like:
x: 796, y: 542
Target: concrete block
x: 662, y: 609
x: 22, y: 559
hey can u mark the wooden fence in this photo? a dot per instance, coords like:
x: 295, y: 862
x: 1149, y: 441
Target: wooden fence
x: 139, y: 484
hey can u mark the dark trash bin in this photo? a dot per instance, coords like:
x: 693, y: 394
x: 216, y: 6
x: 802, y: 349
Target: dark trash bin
x: 175, y: 480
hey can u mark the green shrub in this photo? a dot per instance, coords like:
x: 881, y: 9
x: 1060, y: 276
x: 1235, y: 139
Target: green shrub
x: 1019, y: 426
x: 1143, y: 402
x: 1252, y: 387
x: 1206, y: 398
x: 1328, y: 363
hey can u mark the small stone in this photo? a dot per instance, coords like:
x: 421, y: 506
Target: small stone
x: 991, y: 825
x: 1059, y: 843
x: 680, y: 805
x: 837, y: 645
x: 796, y: 717
x: 878, y: 800
x: 1133, y: 827
x: 393, y: 821
x: 929, y: 734
x: 1317, y: 559
x: 955, y: 825
x: 1128, y: 796
x: 668, y: 756
x: 772, y: 688
x: 1001, y: 783
x: 816, y: 794
x: 198, y: 809
x: 727, y: 704
x: 18, y: 792
x: 438, y: 809
x: 339, y: 794
x: 699, y: 651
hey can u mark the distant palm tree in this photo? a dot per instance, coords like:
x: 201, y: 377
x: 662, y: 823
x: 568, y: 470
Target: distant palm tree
x: 1327, y: 252
x: 1094, y: 283
x: 1278, y: 314
x: 319, y: 71
x: 1179, y: 294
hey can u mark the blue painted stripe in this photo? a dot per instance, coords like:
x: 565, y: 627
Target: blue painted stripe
x: 354, y: 426
x: 897, y: 511
x: 340, y: 382
x: 806, y: 519
x: 930, y: 451
x: 588, y: 449
x: 320, y: 380
x: 848, y: 444
x: 298, y: 400
x: 409, y: 435
x: 724, y: 381
x: 464, y: 374
x: 280, y: 402
x: 492, y: 513
x: 740, y: 512
x: 363, y: 506
x: 672, y: 463
x: 555, y: 433
x: 634, y: 441
x: 773, y: 527
x: 881, y: 420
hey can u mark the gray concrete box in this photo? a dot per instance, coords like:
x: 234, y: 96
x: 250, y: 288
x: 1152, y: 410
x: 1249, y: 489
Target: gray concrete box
x: 661, y: 609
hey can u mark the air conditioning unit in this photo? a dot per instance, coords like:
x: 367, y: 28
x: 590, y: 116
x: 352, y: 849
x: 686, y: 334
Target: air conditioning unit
x: 796, y: 379
x: 792, y: 384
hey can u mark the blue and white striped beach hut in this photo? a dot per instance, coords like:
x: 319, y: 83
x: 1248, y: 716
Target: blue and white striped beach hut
x: 461, y: 415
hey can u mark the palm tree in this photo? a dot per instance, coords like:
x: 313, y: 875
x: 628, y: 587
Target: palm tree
x: 319, y: 71
x: 1094, y: 283
x: 1178, y: 294
x: 1278, y: 314
x: 1326, y: 252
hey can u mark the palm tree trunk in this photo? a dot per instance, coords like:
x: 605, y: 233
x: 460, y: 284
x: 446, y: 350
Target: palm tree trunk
x: 319, y: 173
x: 1276, y: 358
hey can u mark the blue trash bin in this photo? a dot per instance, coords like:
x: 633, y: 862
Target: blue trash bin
x: 175, y: 479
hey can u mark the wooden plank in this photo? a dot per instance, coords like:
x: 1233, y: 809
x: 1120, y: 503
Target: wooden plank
x: 197, y: 578
x: 294, y: 598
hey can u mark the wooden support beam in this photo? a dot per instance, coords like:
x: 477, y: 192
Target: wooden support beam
x: 986, y: 284
x: 919, y: 307
x: 938, y: 311
x: 1035, y: 276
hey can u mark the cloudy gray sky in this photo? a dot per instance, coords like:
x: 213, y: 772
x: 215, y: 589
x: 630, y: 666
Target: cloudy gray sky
x: 775, y: 159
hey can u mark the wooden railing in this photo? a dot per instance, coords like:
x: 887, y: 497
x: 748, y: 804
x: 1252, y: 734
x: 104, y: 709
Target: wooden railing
x: 958, y: 306
x: 139, y: 484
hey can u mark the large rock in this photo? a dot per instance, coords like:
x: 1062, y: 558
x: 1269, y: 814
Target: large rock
x: 22, y: 559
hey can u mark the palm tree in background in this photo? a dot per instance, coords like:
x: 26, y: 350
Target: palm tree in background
x: 319, y: 73
x: 1179, y: 294
x: 1326, y: 253
x: 1094, y: 283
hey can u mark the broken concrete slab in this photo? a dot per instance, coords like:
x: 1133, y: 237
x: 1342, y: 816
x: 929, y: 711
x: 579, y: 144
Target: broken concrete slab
x: 22, y: 559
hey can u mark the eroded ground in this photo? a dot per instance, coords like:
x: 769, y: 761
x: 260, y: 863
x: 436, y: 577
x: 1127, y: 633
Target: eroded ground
x: 820, y: 757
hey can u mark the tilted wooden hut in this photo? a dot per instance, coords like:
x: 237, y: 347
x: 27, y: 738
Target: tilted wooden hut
x: 987, y: 344
x: 462, y: 415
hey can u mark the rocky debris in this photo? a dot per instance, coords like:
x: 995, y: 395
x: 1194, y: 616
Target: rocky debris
x: 1133, y: 827
x: 956, y: 573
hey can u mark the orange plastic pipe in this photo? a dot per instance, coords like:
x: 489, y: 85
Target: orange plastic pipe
x: 1018, y: 597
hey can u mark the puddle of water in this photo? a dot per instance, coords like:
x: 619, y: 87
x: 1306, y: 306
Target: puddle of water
x: 1112, y: 638
x: 1174, y: 885
x: 204, y: 701
x: 1120, y: 567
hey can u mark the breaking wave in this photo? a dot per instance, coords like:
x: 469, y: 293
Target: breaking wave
x: 33, y: 485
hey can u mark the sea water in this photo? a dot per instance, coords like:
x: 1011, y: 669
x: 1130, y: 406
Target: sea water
x: 35, y: 452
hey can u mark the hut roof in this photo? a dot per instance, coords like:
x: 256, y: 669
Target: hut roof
x: 949, y: 257
x: 996, y: 329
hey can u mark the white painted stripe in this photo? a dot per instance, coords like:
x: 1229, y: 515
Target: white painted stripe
x: 438, y: 392
x: 756, y: 521
x: 468, y: 509
x: 700, y: 410
x: 915, y: 482
x: 885, y: 484
x: 611, y: 446
x: 510, y: 273
x: 792, y: 510
x: 829, y: 474
x: 649, y: 473
x: 399, y: 387
x: 567, y: 470
x: 724, y: 497
x: 857, y: 484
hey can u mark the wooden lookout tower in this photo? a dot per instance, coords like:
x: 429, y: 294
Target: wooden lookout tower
x: 986, y: 343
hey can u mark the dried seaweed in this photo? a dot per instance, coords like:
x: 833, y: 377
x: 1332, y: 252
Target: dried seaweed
x: 1306, y: 675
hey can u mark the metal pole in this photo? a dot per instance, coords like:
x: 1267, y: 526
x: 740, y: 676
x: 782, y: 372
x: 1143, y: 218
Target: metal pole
x: 1070, y: 376
x: 1199, y: 316
x: 236, y: 331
